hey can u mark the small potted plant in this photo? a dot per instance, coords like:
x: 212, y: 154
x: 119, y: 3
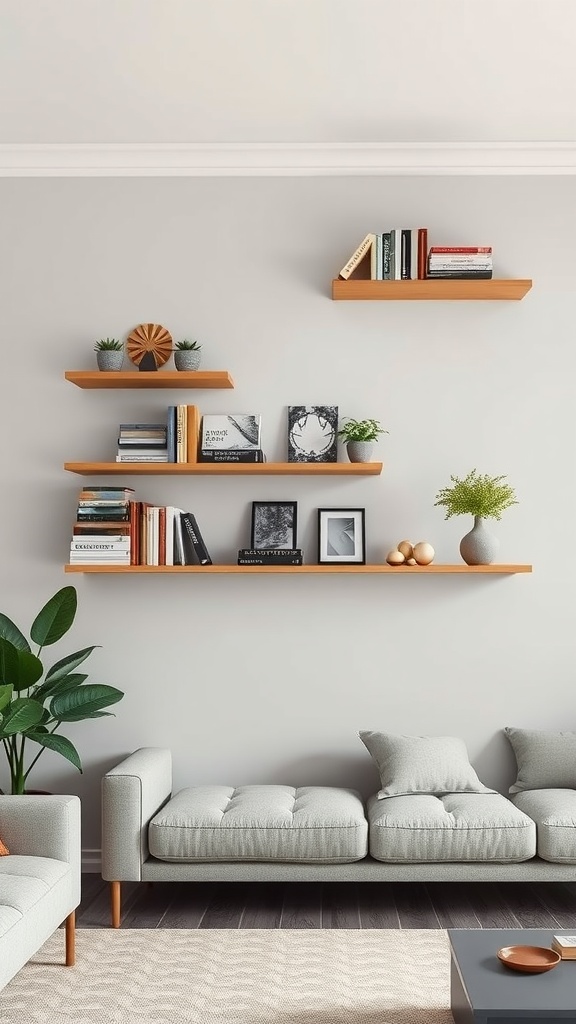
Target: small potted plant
x: 359, y: 437
x: 481, y: 496
x: 187, y: 355
x: 109, y: 354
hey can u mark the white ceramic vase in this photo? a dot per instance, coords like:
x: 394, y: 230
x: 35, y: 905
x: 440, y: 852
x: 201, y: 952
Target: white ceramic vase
x: 480, y: 546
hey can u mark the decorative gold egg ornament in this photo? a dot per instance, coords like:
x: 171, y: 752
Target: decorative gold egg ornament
x: 152, y: 338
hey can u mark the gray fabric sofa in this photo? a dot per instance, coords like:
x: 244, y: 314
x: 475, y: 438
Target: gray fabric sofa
x: 278, y: 833
x: 39, y: 878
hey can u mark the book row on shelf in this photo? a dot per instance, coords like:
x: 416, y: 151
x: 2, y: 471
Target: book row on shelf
x: 402, y: 254
x: 113, y: 528
x: 187, y: 437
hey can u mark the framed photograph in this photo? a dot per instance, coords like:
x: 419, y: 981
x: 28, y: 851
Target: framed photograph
x: 312, y: 433
x: 274, y: 524
x: 341, y: 536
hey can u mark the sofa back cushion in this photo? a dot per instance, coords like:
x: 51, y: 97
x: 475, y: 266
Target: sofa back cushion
x: 421, y: 764
x: 545, y: 760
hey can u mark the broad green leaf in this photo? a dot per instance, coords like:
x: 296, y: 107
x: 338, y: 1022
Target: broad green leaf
x: 30, y: 670
x: 5, y: 696
x: 49, y: 688
x: 21, y: 668
x: 10, y: 632
x: 80, y: 703
x: 8, y: 662
x: 67, y: 665
x: 22, y: 714
x: 58, y: 743
x: 55, y: 618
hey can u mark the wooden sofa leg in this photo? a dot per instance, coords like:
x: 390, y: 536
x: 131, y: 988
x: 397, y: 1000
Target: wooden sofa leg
x: 71, y: 939
x: 115, y: 898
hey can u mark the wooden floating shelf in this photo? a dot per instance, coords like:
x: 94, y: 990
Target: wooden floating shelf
x: 429, y: 289
x: 224, y: 468
x: 383, y: 570
x: 125, y: 379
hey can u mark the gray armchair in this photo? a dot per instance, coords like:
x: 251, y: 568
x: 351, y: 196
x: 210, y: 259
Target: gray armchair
x: 40, y: 878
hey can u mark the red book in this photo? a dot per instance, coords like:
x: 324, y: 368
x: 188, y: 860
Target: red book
x: 461, y: 248
x: 422, y: 252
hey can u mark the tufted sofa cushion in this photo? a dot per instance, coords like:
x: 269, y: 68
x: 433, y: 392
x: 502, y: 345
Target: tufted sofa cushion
x: 554, y: 811
x: 455, y: 827
x: 317, y: 824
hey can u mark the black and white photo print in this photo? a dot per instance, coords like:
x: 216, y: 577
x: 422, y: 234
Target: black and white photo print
x: 274, y: 524
x: 341, y: 536
x: 312, y: 433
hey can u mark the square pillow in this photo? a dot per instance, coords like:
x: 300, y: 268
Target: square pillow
x: 4, y: 851
x: 545, y: 760
x: 421, y: 764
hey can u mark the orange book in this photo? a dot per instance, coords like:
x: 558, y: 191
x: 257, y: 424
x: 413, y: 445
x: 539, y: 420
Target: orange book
x: 192, y: 432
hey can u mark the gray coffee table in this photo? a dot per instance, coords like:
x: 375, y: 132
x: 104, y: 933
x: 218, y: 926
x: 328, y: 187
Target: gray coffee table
x: 484, y: 991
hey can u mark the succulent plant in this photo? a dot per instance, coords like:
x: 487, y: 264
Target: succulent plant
x: 108, y: 345
x: 187, y: 346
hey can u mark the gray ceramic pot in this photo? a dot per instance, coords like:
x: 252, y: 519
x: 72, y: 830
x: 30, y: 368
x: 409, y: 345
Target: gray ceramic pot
x: 109, y: 359
x: 186, y: 359
x: 360, y: 451
x: 479, y: 547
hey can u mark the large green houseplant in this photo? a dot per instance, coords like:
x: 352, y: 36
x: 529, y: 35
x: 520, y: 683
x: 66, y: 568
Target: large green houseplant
x: 35, y: 703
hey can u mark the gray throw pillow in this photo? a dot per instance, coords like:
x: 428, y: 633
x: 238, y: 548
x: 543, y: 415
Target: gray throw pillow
x: 545, y: 760
x: 421, y: 764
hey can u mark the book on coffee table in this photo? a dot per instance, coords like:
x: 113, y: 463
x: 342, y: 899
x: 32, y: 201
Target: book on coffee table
x: 565, y: 945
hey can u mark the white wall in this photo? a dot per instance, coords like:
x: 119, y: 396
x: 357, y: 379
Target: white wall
x: 269, y: 678
x: 287, y: 70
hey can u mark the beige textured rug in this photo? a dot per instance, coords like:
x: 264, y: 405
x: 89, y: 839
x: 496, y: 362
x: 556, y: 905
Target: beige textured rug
x: 235, y: 977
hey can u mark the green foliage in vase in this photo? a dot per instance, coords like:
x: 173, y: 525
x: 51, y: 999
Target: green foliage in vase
x: 108, y: 345
x: 32, y: 708
x: 360, y: 430
x: 477, y: 495
x: 188, y: 346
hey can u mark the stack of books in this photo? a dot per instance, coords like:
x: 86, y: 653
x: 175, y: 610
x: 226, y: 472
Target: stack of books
x: 165, y: 535
x: 142, y: 442
x: 395, y: 255
x: 270, y: 556
x: 182, y: 433
x: 102, y: 531
x: 464, y: 262
x: 231, y: 437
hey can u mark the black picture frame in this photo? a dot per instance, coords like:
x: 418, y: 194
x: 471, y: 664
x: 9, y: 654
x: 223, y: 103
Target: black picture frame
x: 341, y: 536
x: 274, y: 525
x: 312, y: 433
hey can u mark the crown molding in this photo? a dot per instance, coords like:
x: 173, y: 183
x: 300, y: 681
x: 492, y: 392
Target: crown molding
x: 301, y: 159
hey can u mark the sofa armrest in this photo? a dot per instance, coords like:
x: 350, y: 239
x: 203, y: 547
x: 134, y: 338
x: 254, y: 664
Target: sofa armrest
x: 42, y: 826
x: 132, y: 792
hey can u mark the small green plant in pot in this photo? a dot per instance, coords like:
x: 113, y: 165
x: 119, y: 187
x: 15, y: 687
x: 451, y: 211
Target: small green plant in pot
x: 481, y: 496
x: 359, y: 437
x: 187, y: 355
x: 109, y: 353
x: 35, y: 703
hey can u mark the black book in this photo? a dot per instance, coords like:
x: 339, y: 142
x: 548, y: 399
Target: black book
x: 230, y: 455
x: 273, y: 560
x: 269, y: 552
x: 405, y: 253
x: 195, y: 549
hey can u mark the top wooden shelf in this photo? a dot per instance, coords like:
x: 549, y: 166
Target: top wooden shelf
x: 124, y: 379
x: 429, y: 289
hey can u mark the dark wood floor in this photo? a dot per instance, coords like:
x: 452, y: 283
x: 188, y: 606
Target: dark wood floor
x: 331, y: 905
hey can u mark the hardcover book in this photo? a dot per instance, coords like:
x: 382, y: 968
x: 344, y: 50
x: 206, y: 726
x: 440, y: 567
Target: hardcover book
x: 277, y: 560
x: 565, y: 945
x: 357, y: 257
x: 312, y: 433
x: 237, y: 431
x: 230, y: 455
x: 195, y: 549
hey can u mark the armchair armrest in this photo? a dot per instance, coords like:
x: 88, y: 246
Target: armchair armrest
x: 42, y: 826
x: 132, y: 792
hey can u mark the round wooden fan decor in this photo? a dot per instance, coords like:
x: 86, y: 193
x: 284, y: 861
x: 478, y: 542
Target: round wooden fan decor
x: 151, y: 338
